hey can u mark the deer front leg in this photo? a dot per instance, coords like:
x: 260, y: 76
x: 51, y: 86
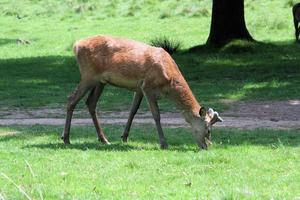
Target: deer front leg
x: 73, y: 99
x: 91, y: 103
x: 152, y: 101
x: 137, y: 99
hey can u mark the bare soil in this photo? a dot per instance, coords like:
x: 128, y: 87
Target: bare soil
x: 243, y: 115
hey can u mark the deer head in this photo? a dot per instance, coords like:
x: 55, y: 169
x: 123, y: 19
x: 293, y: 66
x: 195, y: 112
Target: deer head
x: 202, y: 126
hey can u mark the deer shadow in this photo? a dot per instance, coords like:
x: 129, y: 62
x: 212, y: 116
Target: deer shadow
x: 245, y: 71
x: 145, y: 138
x: 5, y: 41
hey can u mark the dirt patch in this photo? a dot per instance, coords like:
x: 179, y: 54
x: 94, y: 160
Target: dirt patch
x: 266, y: 110
x: 244, y: 115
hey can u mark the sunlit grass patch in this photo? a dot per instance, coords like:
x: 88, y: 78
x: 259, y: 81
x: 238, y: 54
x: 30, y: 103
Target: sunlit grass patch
x: 243, y: 164
x: 8, y: 132
x: 239, y: 46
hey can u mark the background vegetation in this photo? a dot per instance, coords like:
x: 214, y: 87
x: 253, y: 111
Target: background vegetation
x: 45, y: 68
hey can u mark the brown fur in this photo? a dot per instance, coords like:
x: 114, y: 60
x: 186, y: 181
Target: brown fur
x: 126, y: 63
x: 147, y: 70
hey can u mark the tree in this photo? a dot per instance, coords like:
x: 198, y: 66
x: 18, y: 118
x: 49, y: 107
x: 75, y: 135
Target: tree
x: 227, y: 22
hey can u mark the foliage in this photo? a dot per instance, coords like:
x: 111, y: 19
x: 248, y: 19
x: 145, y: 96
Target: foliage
x: 104, y: 8
x: 170, y: 46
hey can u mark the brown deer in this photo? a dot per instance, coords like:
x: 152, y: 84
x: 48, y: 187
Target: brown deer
x: 146, y: 70
x: 296, y: 16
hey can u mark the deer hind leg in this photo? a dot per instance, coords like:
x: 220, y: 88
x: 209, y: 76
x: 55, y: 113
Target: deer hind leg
x: 152, y: 101
x: 138, y: 96
x: 91, y: 103
x: 73, y: 99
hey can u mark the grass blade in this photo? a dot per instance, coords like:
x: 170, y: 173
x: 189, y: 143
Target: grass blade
x: 19, y: 188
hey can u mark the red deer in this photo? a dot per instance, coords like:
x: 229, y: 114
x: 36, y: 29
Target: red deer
x: 296, y: 16
x: 148, y: 71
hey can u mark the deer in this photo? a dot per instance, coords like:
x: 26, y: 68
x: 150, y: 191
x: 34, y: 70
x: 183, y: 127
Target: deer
x: 296, y: 17
x: 148, y: 71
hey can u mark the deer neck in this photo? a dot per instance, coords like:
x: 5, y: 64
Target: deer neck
x: 185, y: 101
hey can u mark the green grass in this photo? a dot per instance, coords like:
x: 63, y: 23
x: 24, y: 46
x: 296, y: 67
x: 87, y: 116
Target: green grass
x: 259, y: 164
x: 44, y: 72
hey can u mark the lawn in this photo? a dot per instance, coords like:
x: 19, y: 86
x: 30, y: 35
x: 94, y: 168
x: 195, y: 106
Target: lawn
x: 46, y: 70
x: 241, y: 164
x: 258, y: 164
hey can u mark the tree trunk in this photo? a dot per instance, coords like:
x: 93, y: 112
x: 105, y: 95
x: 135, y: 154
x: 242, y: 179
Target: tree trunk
x: 227, y: 22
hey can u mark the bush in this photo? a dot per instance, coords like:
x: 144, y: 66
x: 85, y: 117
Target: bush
x: 170, y: 45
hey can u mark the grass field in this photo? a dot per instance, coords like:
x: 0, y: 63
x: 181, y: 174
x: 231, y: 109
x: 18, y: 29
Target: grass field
x: 46, y: 70
x: 241, y: 164
x: 257, y: 164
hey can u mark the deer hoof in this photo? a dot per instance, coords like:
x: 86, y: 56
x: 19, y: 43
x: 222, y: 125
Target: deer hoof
x: 104, y: 141
x: 124, y: 138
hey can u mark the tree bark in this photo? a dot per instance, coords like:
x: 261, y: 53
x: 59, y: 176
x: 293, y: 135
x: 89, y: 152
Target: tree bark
x: 227, y: 22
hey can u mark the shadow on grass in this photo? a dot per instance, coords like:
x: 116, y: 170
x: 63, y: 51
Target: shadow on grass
x: 243, y: 46
x: 36, y: 81
x: 46, y: 81
x: 5, y: 41
x: 84, y: 138
x: 85, y: 146
x: 115, y: 146
x: 238, y: 71
x: 145, y: 138
x: 243, y: 71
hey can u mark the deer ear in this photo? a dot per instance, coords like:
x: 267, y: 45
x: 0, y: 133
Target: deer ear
x: 202, y: 112
x: 210, y: 112
x: 216, y: 118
